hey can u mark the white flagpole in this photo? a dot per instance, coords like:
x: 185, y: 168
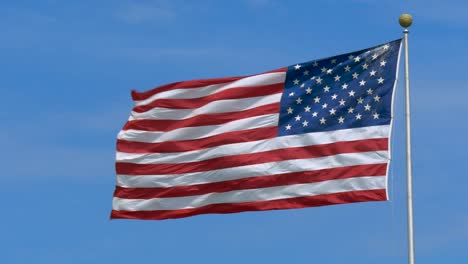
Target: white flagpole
x: 405, y: 21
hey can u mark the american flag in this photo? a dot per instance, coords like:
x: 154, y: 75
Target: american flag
x: 312, y: 134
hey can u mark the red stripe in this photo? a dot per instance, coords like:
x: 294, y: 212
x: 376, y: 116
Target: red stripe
x: 233, y: 93
x: 194, y: 144
x: 137, y: 96
x: 254, y: 182
x: 305, y: 152
x: 201, y: 120
x: 227, y: 208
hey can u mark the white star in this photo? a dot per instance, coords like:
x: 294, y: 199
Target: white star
x: 333, y: 61
x: 351, y: 93
x: 377, y: 98
x: 350, y: 57
x: 337, y: 78
x: 290, y: 110
x: 314, y: 114
x: 357, y: 59
x: 380, y: 80
x: 315, y: 64
x: 319, y: 80
x: 329, y: 71
x: 355, y: 75
x: 299, y: 100
x: 326, y: 88
x: 360, y: 100
x: 362, y: 83
x: 307, y: 109
x: 370, y: 91
x: 367, y: 107
x: 386, y: 46
x: 376, y: 116
x: 305, y: 123
x: 334, y: 96
x: 365, y: 66
x: 297, y: 67
x: 372, y: 73
x: 322, y: 120
x: 298, y: 117
x: 344, y: 86
x: 342, y: 102
x: 317, y: 99
x: 341, y: 120
x: 302, y: 85
x: 324, y: 69
x: 312, y: 78
x: 374, y: 57
x: 332, y: 111
x: 383, y: 63
x: 308, y: 90
x: 324, y: 106
x: 358, y: 116
x: 306, y: 72
x: 296, y: 82
x: 350, y: 110
x: 291, y: 94
x: 347, y: 68
x: 288, y: 127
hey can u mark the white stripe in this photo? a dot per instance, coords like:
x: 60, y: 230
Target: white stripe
x: 187, y: 133
x: 251, y: 195
x: 247, y: 82
x: 291, y: 141
x: 247, y: 171
x: 221, y: 106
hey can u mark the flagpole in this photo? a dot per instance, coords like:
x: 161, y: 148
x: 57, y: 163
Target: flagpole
x: 405, y: 21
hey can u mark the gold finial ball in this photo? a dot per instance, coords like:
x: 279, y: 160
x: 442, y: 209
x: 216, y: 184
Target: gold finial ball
x: 406, y: 20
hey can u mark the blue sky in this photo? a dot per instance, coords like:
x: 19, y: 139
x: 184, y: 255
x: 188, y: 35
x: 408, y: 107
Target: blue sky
x: 67, y: 68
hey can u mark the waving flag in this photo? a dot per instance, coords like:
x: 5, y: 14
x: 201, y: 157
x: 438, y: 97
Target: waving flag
x: 312, y: 134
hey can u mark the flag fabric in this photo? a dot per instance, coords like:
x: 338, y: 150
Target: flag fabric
x: 311, y: 134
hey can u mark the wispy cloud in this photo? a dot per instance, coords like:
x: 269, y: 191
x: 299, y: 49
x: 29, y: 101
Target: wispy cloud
x: 443, y: 11
x: 448, y: 234
x: 451, y: 12
x: 145, y: 13
x: 78, y: 144
x: 428, y: 92
x: 258, y: 3
x: 44, y: 162
x: 24, y: 16
x: 452, y: 230
x: 141, y: 53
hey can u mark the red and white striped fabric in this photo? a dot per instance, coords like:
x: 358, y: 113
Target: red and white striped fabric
x: 211, y: 146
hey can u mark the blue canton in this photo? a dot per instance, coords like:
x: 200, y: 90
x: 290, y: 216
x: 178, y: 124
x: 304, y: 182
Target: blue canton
x: 345, y: 91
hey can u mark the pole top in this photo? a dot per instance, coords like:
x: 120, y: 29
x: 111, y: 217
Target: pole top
x: 406, y: 20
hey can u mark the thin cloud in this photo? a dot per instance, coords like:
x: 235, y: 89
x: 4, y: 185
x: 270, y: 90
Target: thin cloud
x: 144, y: 14
x: 452, y: 232
x: 168, y: 52
x: 60, y: 147
x: 450, y: 12
x: 258, y: 3
x: 23, y: 16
